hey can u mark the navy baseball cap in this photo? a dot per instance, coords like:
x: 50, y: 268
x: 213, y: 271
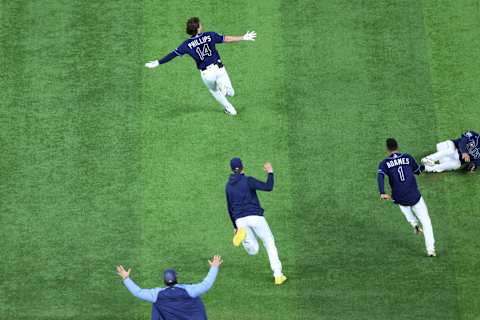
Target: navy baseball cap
x: 169, y: 277
x: 236, y: 163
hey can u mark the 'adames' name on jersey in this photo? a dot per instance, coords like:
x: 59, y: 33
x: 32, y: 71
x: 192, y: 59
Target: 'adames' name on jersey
x: 397, y: 162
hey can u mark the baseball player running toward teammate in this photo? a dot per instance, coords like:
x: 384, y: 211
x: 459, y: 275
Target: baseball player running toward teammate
x: 401, y: 169
x: 175, y: 301
x: 452, y: 154
x: 201, y: 46
x: 247, y: 214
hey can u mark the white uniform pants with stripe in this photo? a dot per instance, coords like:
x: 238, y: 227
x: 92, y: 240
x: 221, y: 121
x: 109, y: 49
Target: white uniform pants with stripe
x: 257, y: 226
x: 420, y: 211
x: 212, y: 76
x: 447, y: 156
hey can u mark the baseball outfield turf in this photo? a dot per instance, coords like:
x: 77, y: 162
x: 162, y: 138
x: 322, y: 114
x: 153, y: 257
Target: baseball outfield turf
x: 105, y: 162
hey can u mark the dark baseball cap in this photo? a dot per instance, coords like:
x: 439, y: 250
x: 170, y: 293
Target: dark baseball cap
x: 169, y: 277
x: 236, y: 163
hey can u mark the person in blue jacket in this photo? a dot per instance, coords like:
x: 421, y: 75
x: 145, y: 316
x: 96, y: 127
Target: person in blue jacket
x: 455, y: 153
x: 247, y: 214
x: 175, y: 301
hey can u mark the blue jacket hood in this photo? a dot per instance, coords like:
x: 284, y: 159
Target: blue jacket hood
x: 234, y: 178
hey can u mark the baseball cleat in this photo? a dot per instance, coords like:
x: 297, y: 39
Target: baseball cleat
x: 428, y: 162
x: 239, y: 236
x: 280, y: 280
x: 432, y: 253
x: 230, y: 111
x: 417, y: 230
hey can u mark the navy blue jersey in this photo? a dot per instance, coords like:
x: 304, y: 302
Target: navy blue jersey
x: 201, y: 48
x: 400, y: 169
x: 469, y: 143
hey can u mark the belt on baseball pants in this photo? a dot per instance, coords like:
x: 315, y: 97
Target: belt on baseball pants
x: 218, y: 64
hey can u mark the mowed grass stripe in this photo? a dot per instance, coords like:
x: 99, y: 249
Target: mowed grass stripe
x: 72, y: 188
x: 188, y: 142
x: 368, y: 79
x: 453, y: 30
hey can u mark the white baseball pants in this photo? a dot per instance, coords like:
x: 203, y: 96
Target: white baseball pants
x: 447, y: 156
x: 257, y: 226
x: 420, y: 211
x: 212, y: 77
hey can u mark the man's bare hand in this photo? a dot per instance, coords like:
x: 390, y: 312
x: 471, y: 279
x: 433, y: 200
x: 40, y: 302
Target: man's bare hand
x: 385, y: 197
x: 466, y: 157
x: 216, y: 261
x: 124, y: 274
x: 268, y: 167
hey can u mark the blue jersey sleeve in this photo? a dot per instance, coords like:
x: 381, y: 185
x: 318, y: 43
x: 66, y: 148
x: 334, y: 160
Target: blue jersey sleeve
x: 381, y: 173
x: 181, y: 50
x: 149, y: 295
x: 217, y: 38
x: 229, y: 208
x: 167, y: 58
x: 195, y: 290
x: 416, y: 168
x: 259, y: 185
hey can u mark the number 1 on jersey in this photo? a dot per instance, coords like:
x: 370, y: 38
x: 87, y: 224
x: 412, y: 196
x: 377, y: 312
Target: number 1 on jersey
x: 400, y: 173
x: 205, y: 51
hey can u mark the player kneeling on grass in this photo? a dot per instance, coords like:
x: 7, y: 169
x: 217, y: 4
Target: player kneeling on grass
x: 201, y: 47
x: 175, y: 301
x: 247, y: 214
x: 452, y: 154
x: 401, y: 169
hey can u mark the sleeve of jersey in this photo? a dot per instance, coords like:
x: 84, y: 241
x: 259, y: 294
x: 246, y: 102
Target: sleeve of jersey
x: 168, y: 57
x: 149, y: 295
x: 230, y: 213
x: 417, y: 169
x: 195, y: 290
x: 381, y: 179
x: 218, y: 38
x: 259, y: 185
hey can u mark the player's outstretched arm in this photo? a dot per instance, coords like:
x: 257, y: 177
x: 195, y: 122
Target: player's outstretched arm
x: 143, y: 294
x: 249, y: 36
x: 195, y: 290
x: 155, y: 63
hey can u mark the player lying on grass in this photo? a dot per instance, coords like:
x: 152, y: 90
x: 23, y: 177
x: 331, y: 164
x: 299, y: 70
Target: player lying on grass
x: 201, y: 46
x: 452, y: 154
x: 175, y: 301
x: 400, y: 168
x: 247, y: 214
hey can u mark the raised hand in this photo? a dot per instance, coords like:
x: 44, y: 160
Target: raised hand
x: 152, y: 64
x: 216, y: 261
x: 268, y: 167
x: 250, y: 36
x: 124, y: 274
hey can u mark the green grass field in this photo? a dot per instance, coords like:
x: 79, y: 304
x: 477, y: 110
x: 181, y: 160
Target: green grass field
x: 105, y: 162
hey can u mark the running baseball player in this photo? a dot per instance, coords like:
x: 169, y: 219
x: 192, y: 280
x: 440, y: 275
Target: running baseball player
x: 201, y: 46
x: 452, y: 154
x: 247, y: 214
x: 175, y: 301
x: 400, y: 168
